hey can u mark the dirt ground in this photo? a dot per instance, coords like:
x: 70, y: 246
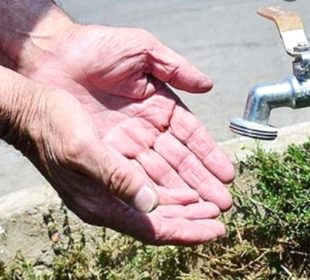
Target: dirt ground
x: 28, y: 233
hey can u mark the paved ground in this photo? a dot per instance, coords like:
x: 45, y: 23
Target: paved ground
x: 225, y: 38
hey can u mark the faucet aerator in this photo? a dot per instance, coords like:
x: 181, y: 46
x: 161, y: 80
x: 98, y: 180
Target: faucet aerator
x: 252, y: 129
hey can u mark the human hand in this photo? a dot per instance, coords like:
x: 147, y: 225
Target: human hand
x: 66, y: 149
x: 137, y: 116
x: 117, y: 77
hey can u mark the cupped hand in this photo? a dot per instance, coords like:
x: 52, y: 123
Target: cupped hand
x: 119, y: 133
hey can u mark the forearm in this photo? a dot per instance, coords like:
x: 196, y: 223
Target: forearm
x: 29, y: 29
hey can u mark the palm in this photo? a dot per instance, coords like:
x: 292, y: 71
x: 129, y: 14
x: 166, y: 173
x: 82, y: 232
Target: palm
x: 139, y: 118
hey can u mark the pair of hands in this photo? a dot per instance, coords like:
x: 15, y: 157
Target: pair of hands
x: 104, y: 129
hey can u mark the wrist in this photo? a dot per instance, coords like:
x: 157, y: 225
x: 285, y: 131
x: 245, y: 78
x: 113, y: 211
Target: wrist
x: 26, y: 34
x: 18, y: 100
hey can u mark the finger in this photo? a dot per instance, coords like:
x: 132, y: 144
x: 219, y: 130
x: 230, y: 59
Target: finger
x: 192, y: 170
x: 160, y: 170
x: 150, y: 163
x: 99, y: 207
x: 172, y: 68
x: 176, y: 196
x: 137, y: 86
x: 200, y: 210
x: 181, y: 231
x: 119, y: 176
x: 131, y: 137
x: 185, y: 126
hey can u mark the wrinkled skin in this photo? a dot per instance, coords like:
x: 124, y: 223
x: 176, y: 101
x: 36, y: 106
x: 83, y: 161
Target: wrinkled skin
x: 110, y: 124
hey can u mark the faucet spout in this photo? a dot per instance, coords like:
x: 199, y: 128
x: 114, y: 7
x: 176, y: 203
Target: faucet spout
x: 263, y: 98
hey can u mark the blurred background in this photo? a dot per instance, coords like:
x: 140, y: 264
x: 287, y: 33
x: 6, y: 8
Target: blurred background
x: 225, y: 38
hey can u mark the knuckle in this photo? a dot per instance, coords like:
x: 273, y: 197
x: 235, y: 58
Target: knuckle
x: 186, y: 163
x: 143, y: 33
x: 147, y: 40
x: 119, y: 182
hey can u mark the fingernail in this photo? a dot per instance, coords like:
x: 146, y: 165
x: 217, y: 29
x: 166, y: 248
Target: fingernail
x: 146, y: 199
x: 207, y: 84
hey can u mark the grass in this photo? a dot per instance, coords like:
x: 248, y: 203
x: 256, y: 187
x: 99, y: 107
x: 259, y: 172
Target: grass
x: 269, y: 235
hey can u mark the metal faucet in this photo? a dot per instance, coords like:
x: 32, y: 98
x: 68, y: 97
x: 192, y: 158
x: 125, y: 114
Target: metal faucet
x: 293, y: 92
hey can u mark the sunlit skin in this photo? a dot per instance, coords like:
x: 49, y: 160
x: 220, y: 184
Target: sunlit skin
x: 106, y: 123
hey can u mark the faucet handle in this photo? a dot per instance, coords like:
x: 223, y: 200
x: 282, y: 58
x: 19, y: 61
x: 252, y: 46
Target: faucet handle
x: 291, y: 29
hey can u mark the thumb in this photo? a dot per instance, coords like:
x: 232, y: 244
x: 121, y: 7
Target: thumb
x: 170, y: 67
x: 120, y: 177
